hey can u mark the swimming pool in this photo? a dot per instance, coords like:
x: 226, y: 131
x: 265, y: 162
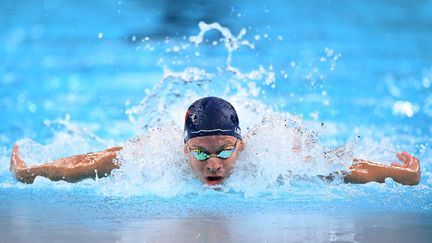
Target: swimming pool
x: 78, y: 77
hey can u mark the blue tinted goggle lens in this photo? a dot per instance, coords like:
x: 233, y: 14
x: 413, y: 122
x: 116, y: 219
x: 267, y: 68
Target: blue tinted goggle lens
x: 200, y: 155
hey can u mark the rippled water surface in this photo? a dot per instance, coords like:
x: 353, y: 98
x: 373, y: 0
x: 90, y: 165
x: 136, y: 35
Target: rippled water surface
x: 78, y: 77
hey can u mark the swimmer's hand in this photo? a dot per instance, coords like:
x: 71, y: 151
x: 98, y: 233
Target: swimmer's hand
x: 18, y: 167
x: 407, y: 172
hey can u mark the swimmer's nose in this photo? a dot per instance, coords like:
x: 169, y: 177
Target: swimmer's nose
x: 213, y: 166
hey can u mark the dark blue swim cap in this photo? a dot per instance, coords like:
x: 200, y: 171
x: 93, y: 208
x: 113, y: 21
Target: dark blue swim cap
x: 211, y: 116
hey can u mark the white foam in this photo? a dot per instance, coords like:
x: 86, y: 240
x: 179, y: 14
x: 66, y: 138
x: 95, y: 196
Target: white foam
x: 280, y: 149
x: 153, y: 163
x: 68, y: 139
x: 277, y: 150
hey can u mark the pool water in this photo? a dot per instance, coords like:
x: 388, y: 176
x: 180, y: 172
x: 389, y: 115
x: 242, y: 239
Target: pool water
x: 78, y: 77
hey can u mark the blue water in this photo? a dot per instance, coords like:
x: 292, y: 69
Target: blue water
x: 77, y: 77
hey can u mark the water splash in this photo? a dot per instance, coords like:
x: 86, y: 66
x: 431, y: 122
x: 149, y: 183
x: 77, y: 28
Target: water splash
x: 232, y: 43
x: 279, y: 150
x: 282, y: 149
x: 67, y: 139
x: 177, y: 89
x: 153, y: 163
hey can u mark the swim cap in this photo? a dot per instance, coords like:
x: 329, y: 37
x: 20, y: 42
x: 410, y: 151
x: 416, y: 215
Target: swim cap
x: 211, y: 116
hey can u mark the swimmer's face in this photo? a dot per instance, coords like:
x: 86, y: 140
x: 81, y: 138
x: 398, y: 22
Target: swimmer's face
x: 213, y: 170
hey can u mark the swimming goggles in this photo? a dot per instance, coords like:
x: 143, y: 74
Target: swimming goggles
x: 223, y: 154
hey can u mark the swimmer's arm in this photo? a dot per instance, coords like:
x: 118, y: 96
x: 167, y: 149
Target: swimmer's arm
x: 71, y: 169
x: 407, y: 173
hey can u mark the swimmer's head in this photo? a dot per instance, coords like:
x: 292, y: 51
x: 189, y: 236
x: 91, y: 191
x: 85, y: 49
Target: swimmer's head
x: 212, y: 139
x: 211, y: 116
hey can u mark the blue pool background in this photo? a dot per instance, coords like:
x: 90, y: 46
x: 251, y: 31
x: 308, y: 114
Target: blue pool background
x: 74, y: 69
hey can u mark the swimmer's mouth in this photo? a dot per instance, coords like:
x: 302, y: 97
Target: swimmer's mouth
x: 214, y: 180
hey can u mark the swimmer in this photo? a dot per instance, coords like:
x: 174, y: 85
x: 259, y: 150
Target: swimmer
x: 212, y: 142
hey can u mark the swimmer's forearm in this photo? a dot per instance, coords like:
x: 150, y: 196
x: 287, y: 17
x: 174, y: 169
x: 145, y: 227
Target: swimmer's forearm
x: 75, y: 168
x: 367, y: 171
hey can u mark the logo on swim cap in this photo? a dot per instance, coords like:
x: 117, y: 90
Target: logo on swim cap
x: 211, y: 116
